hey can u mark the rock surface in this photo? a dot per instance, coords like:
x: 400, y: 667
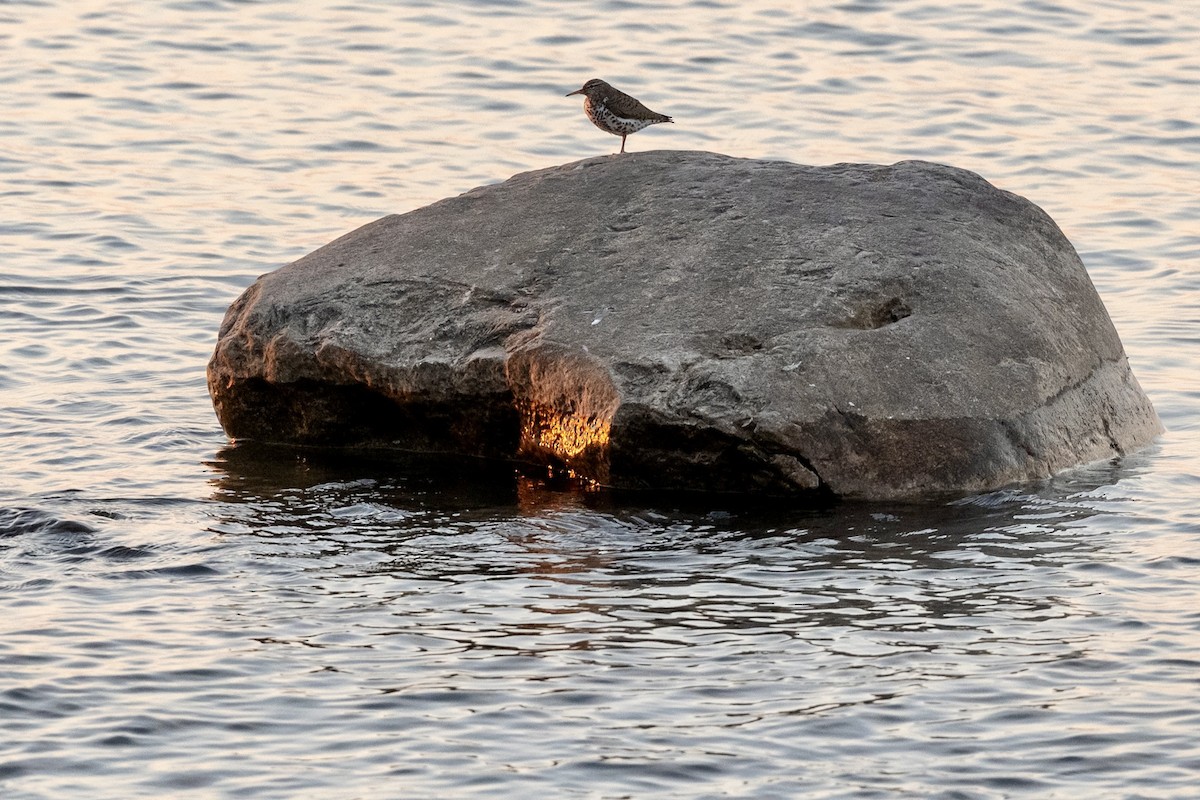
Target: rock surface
x: 689, y: 320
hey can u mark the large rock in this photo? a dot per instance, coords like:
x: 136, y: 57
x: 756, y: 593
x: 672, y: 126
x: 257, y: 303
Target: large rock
x: 689, y: 320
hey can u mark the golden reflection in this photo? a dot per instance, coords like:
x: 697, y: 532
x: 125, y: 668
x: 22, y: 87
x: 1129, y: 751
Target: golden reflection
x: 566, y: 402
x: 553, y: 508
x: 557, y: 490
x: 566, y: 435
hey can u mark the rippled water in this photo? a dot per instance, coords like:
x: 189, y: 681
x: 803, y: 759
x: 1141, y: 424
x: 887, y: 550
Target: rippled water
x: 181, y: 618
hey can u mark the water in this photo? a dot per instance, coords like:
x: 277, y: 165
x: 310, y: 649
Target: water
x: 181, y: 618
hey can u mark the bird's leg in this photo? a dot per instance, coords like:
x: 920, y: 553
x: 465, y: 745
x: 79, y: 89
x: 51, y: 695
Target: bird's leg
x: 623, y: 135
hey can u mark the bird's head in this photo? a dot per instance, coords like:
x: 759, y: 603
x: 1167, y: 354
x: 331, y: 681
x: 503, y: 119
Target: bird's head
x: 590, y: 88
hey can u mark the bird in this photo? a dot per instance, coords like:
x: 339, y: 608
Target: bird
x: 615, y: 112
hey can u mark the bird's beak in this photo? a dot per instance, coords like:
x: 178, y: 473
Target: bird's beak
x: 577, y: 91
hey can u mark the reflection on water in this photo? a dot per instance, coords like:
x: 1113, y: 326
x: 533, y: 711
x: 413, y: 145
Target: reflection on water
x: 443, y: 526
x: 250, y: 472
x: 495, y: 630
x: 574, y: 635
x: 183, y: 617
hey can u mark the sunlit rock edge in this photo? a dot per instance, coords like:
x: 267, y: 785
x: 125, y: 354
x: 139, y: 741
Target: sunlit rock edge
x: 687, y: 320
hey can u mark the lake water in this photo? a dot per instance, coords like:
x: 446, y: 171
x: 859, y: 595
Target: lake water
x: 179, y: 618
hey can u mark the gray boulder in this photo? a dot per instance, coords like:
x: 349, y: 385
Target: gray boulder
x: 685, y: 320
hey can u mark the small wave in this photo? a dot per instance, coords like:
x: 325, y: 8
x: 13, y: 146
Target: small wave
x: 180, y: 571
x: 19, y: 521
x: 348, y: 145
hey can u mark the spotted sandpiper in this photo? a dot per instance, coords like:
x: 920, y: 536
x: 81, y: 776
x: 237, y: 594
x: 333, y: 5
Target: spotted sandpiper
x: 615, y: 112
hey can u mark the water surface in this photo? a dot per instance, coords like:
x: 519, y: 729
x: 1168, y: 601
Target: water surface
x: 182, y: 618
